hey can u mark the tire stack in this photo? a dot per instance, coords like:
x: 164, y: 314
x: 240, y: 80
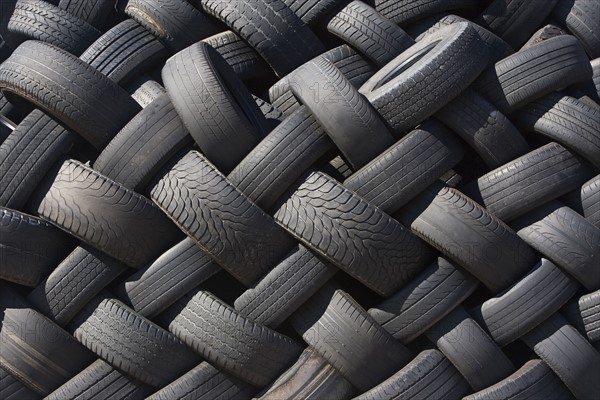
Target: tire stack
x: 308, y: 199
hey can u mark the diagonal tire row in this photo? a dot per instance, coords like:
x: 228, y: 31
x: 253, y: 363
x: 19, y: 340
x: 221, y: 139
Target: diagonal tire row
x: 311, y: 249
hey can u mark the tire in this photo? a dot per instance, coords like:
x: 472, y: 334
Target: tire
x: 285, y: 288
x: 69, y: 89
x: 427, y: 299
x: 246, y: 350
x: 205, y: 382
x: 144, y: 90
x: 447, y: 219
x: 470, y: 349
x: 566, y: 120
x: 290, y: 149
x: 310, y: 378
x: 581, y: 18
x: 515, y: 20
x: 311, y: 12
x: 499, y: 49
x: 375, y: 36
x: 12, y: 389
x: 585, y: 201
x: 176, y: 272
x: 227, y: 225
x: 144, y: 145
x: 407, y: 168
x: 566, y: 238
x: 272, y: 114
x: 29, y: 247
x: 590, y: 313
x: 329, y: 219
x: 283, y: 40
x: 38, y: 20
x: 403, y: 12
x: 534, y: 380
x: 100, y: 381
x: 354, y: 67
x: 569, y: 355
x: 131, y: 343
x: 527, y: 304
x: 124, y: 52
x: 27, y: 154
x: 104, y: 214
x: 241, y: 57
x: 94, y: 12
x: 415, y: 85
x: 35, y: 350
x: 214, y: 105
x: 74, y: 283
x: 346, y: 115
x: 176, y: 23
x: 533, y: 73
x: 493, y: 136
x: 348, y: 338
x: 547, y: 32
x: 528, y: 182
x: 429, y: 376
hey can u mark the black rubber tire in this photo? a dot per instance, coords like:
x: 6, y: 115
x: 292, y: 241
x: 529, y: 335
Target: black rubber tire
x: 241, y: 57
x: 35, y: 350
x: 39, y: 20
x: 291, y: 148
x: 100, y: 381
x: 354, y: 67
x: 585, y: 200
x: 499, y: 49
x: 534, y: 380
x: 588, y: 307
x: 311, y: 12
x: 94, y: 12
x: 283, y: 40
x: 566, y: 238
x: 528, y: 182
x: 330, y: 219
x: 569, y: 355
x: 285, y: 288
x: 214, y: 105
x: 247, y: 350
x: 515, y: 20
x: 530, y: 74
x: 144, y: 145
x: 176, y: 272
x: 132, y: 343
x: 407, y: 168
x: 566, y: 120
x: 144, y: 90
x: 375, y: 36
x: 227, y: 225
x: 415, y: 84
x: 205, y: 382
x: 427, y: 299
x: 69, y: 89
x: 484, y: 128
x: 29, y: 247
x: 125, y: 51
x: 403, y: 12
x: 27, y: 154
x: 581, y: 18
x: 531, y: 301
x: 447, y: 219
x: 310, y: 378
x: 350, y: 340
x: 345, y: 114
x: 104, y: 214
x: 272, y: 114
x: 74, y: 283
x: 12, y: 389
x: 176, y: 23
x: 547, y: 32
x: 429, y: 376
x: 470, y: 349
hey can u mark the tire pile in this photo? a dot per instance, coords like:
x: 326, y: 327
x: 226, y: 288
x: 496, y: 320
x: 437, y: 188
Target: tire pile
x: 308, y: 199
